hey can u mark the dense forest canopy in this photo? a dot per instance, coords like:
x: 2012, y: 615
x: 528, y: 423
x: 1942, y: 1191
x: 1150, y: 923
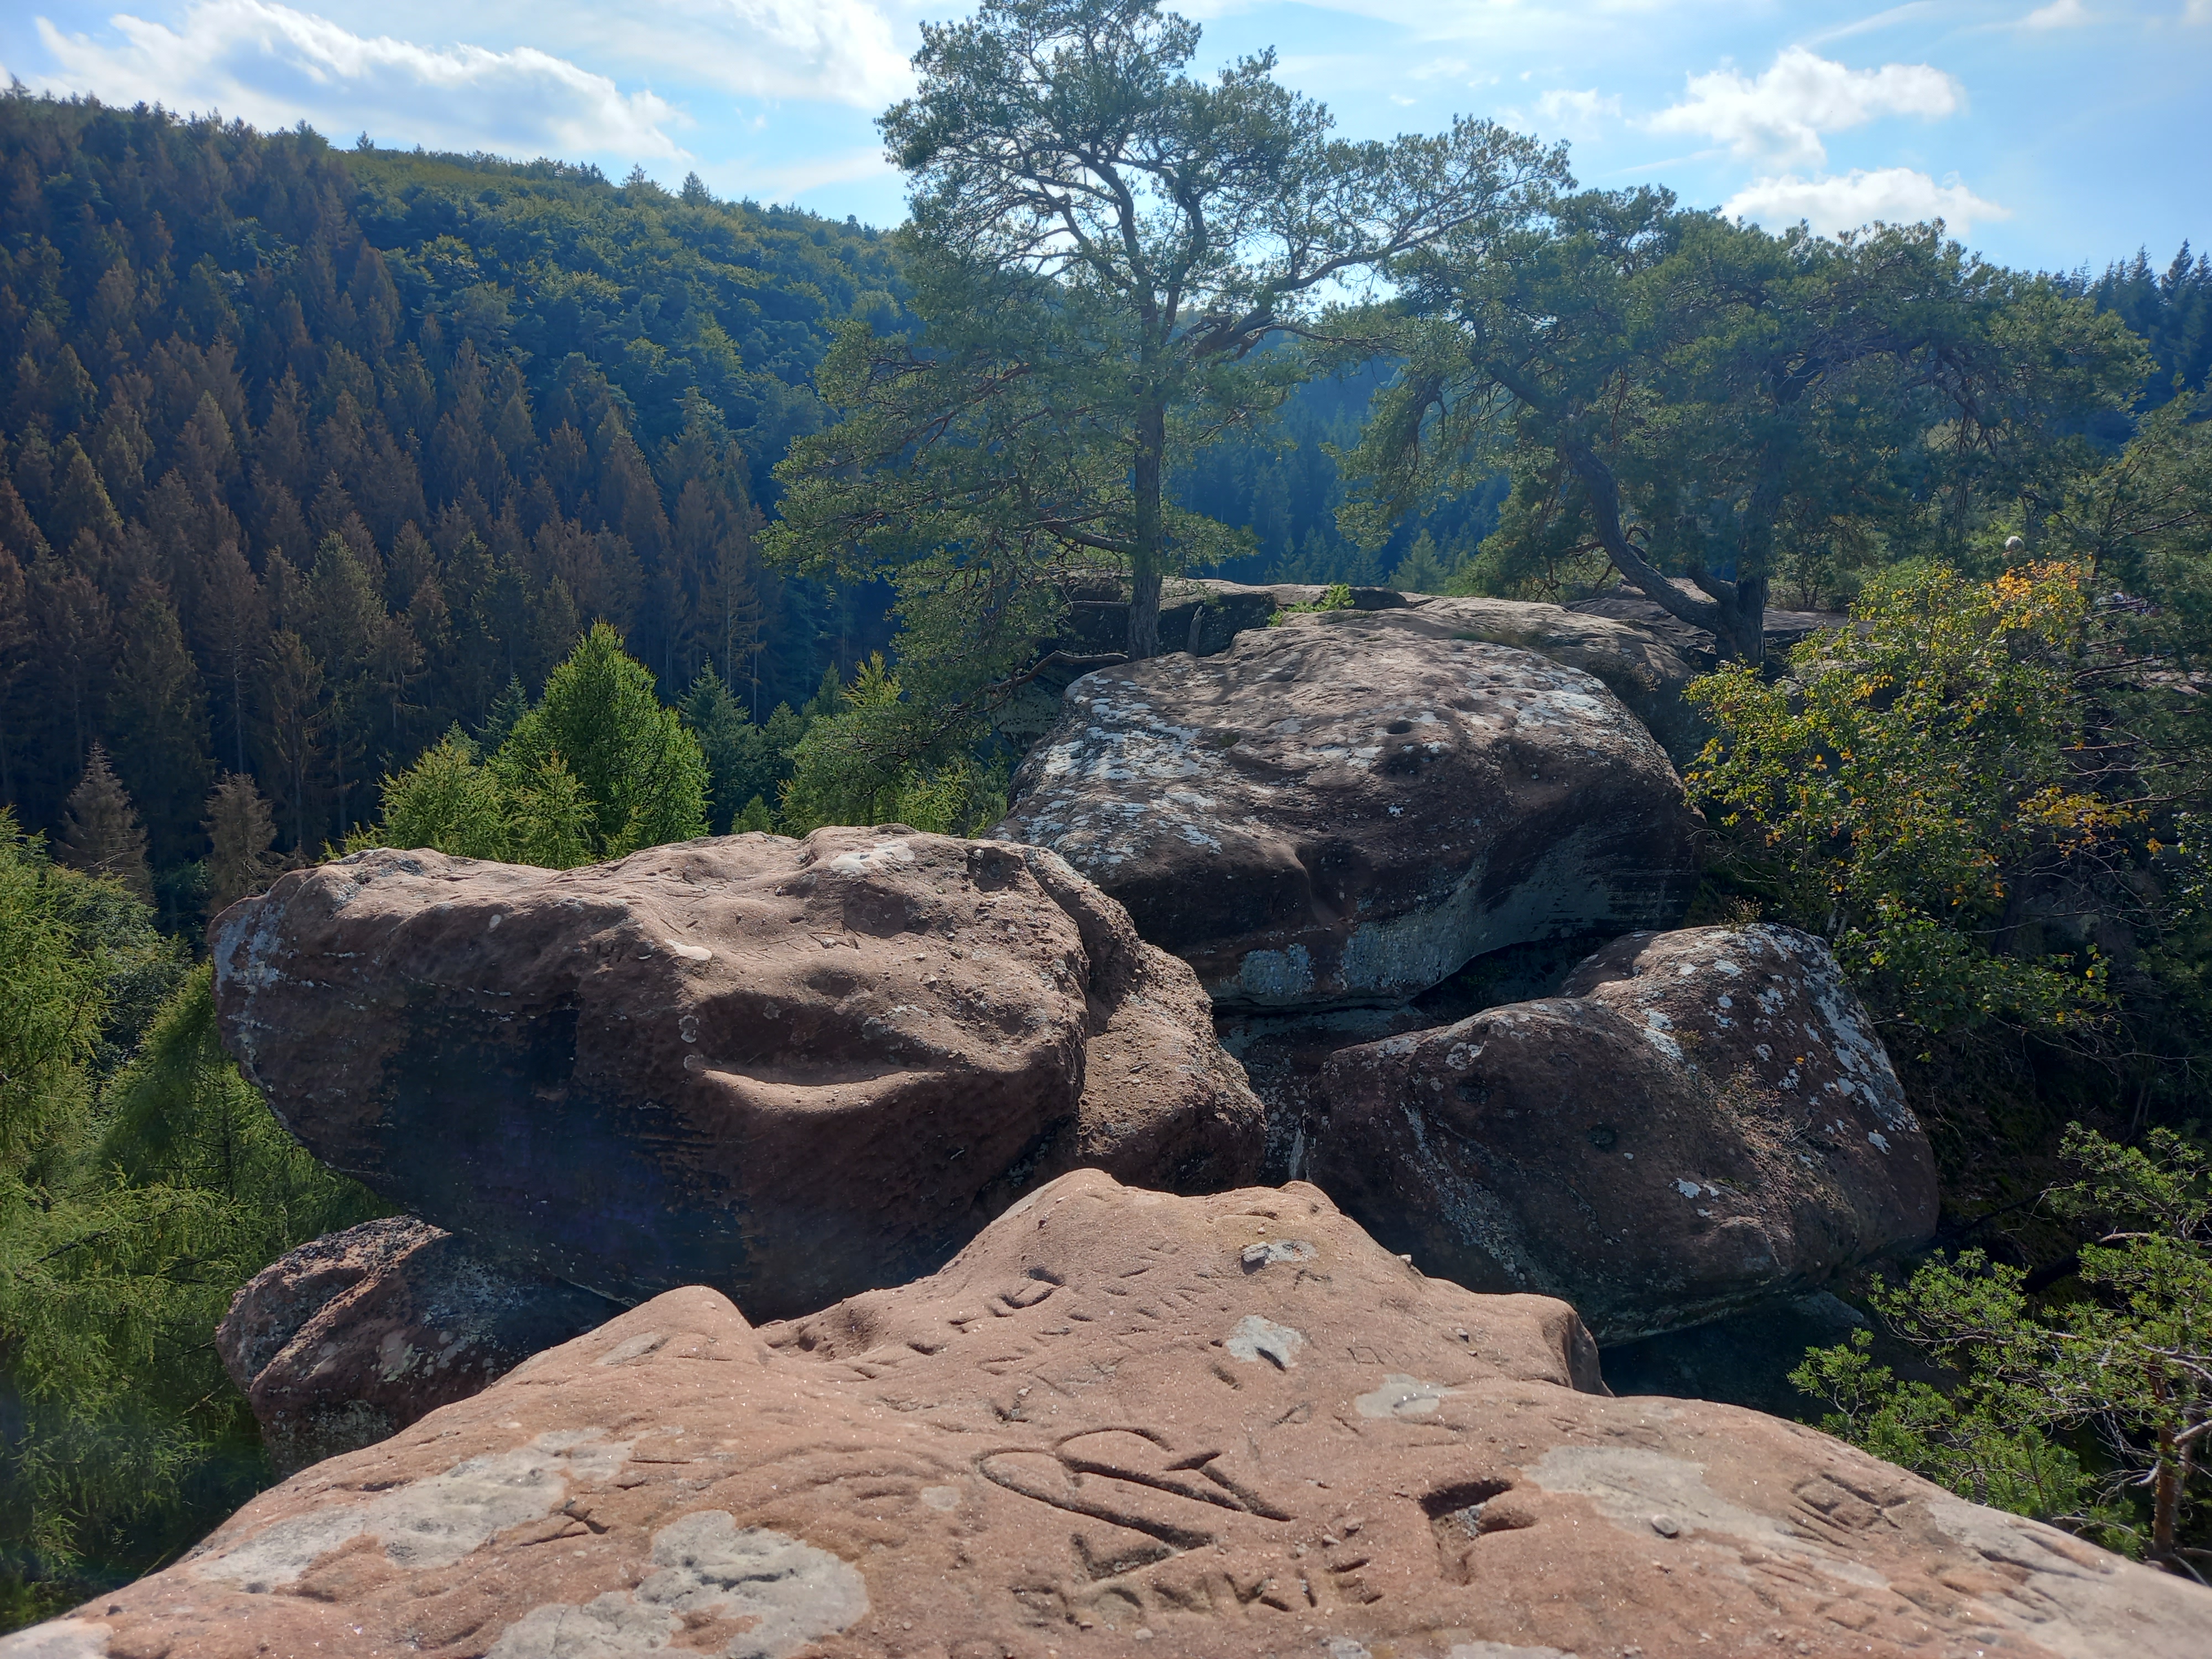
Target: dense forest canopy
x: 309, y: 454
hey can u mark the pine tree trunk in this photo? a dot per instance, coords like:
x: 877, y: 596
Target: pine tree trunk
x: 1746, y: 630
x: 2166, y: 1499
x: 1146, y: 564
x: 237, y: 707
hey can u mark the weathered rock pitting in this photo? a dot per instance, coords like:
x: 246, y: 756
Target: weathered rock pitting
x: 789, y: 1069
x: 350, y: 1338
x: 1346, y: 809
x: 1119, y: 1424
x: 1703, y: 1120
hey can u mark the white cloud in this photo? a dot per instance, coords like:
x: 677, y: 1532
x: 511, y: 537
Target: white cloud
x: 274, y: 66
x: 2059, y: 15
x: 1845, y: 201
x: 1577, y: 112
x: 1881, y: 19
x: 2198, y: 11
x: 844, y: 51
x: 1782, y: 114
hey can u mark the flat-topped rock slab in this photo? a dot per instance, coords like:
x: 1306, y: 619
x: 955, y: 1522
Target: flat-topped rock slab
x: 1121, y: 1424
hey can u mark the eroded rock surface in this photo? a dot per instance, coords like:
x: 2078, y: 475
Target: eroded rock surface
x: 1628, y: 603
x: 1639, y: 666
x: 1704, y: 1120
x: 789, y: 1069
x: 1120, y: 1423
x: 1349, y: 807
x: 1286, y: 1055
x: 349, y: 1338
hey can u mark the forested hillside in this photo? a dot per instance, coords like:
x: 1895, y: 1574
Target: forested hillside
x: 309, y: 454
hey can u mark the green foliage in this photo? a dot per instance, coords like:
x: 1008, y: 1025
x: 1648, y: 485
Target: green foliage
x: 447, y: 801
x: 638, y: 774
x: 52, y: 996
x: 1984, y: 1442
x: 852, y: 767
x: 1672, y: 393
x: 1337, y: 596
x: 638, y: 777
x: 2089, y: 1407
x: 1913, y: 769
x: 132, y: 1205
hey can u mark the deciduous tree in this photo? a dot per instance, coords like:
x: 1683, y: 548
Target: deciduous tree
x: 1683, y: 397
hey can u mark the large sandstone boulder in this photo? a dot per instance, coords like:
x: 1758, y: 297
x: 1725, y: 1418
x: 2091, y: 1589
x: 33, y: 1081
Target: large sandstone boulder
x: 1286, y: 1055
x: 1705, y: 1119
x: 789, y: 1069
x: 1121, y: 1424
x: 1645, y: 656
x: 1346, y: 809
x: 349, y: 1338
x: 1639, y: 666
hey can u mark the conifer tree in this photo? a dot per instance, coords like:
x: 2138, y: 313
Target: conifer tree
x: 1102, y: 245
x: 157, y: 711
x: 51, y: 1004
x: 638, y: 767
x: 232, y: 620
x: 1422, y: 571
x: 80, y: 504
x: 445, y: 801
x: 100, y: 832
x: 740, y: 765
x: 15, y: 649
x: 78, y: 633
x: 506, y: 710
x: 242, y: 831
x: 294, y: 714
x: 345, y: 625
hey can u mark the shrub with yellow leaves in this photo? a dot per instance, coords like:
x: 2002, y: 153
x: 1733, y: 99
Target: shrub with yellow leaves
x: 1913, y: 768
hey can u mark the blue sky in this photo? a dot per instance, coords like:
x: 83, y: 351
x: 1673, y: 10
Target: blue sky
x: 2048, y: 134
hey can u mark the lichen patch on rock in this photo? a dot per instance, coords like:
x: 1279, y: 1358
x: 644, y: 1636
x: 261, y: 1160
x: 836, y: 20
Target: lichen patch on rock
x: 1349, y: 809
